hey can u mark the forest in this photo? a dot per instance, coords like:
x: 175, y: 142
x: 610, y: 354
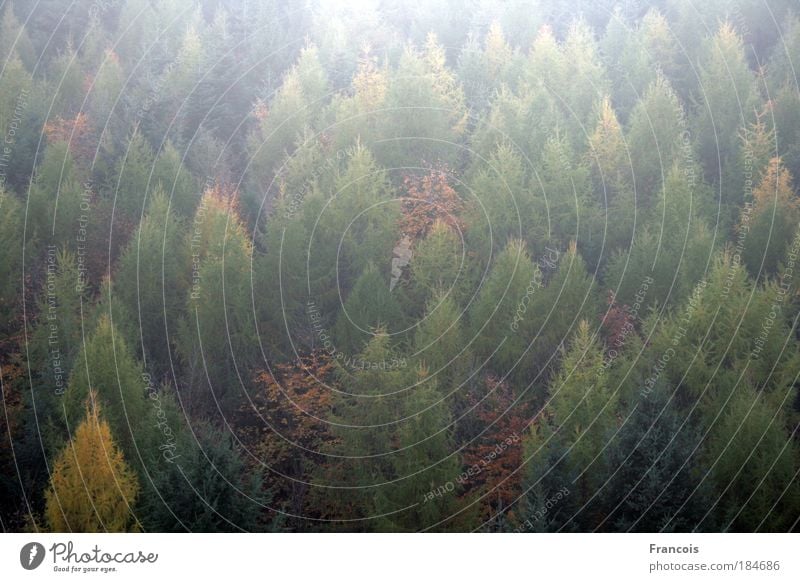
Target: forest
x: 399, y: 266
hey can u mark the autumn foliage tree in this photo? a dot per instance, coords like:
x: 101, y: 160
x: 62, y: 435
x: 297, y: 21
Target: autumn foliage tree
x: 429, y: 198
x: 494, y: 453
x: 92, y: 488
x: 285, y: 428
x: 775, y: 216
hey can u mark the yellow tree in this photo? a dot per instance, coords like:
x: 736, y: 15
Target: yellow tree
x: 92, y: 487
x: 776, y: 212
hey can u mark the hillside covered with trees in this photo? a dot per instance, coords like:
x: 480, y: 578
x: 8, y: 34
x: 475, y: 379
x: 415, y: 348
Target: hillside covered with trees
x: 399, y: 266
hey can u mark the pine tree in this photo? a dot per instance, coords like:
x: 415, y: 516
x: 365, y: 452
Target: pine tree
x: 726, y: 106
x: 425, y: 113
x: 560, y: 303
x: 484, y: 69
x: 497, y: 317
x: 425, y: 461
x: 11, y: 261
x: 655, y: 481
x: 170, y: 174
x: 369, y: 306
x: 54, y: 346
x: 15, y: 89
x: 586, y: 78
x: 217, y: 340
x: 775, y: 216
x: 609, y: 161
x: 349, y: 228
x: 359, y: 117
x: 133, y: 180
x: 655, y: 139
x: 92, y: 488
x: 673, y: 250
x: 105, y: 368
x: 564, y: 206
x: 441, y: 346
x: 365, y: 410
x: 440, y: 262
x: 574, y: 430
x: 207, y: 488
x: 501, y: 205
x: 14, y: 39
x: 151, y: 282
x: 752, y: 465
x: 293, y: 108
x: 55, y: 200
x: 103, y: 101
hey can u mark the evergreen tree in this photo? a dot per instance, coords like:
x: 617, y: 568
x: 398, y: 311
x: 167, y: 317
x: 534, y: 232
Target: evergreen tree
x: 133, y: 180
x: 504, y: 301
x: 425, y: 460
x: 365, y: 415
x: 440, y: 261
x: 725, y: 106
x: 673, y: 250
x: 609, y: 162
x: 293, y: 108
x: 425, y: 113
x: 14, y: 39
x: 105, y: 367
x: 655, y: 483
x: 54, y: 202
x: 151, y: 282
x: 769, y: 227
x: 569, y: 296
x: 205, y: 488
x: 441, y: 345
x: 369, y: 306
x: 655, y: 139
x: 11, y: 262
x: 568, y: 441
x: 217, y: 339
x: 171, y: 175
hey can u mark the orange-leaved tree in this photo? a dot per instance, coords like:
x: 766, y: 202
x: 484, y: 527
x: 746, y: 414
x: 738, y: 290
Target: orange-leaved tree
x: 285, y: 426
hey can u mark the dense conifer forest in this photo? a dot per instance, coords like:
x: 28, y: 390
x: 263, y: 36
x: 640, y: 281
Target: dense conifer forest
x: 399, y: 266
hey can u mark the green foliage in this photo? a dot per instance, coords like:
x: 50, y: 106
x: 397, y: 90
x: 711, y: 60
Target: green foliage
x: 570, y: 296
x: 217, y: 338
x: 655, y: 139
x: 151, y: 282
x: 133, y: 178
x: 203, y: 488
x: 440, y: 346
x: 106, y: 367
x: 425, y: 115
x: 727, y: 104
x: 440, y: 261
x: 11, y: 262
x: 369, y: 306
x: 503, y: 299
x: 292, y: 109
x: 524, y: 265
x: 180, y: 187
x: 55, y: 200
x: 671, y: 254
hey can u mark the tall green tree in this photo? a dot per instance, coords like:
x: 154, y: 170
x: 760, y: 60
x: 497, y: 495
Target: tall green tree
x: 151, y: 282
x: 725, y: 106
